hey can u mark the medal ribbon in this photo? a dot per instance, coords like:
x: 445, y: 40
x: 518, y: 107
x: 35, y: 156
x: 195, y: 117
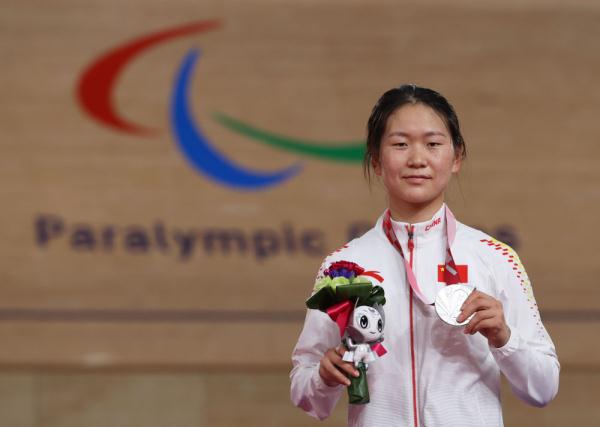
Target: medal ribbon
x: 451, y: 273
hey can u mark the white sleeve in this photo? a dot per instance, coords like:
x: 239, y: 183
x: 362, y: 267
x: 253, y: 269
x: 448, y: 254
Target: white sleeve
x: 308, y: 391
x: 528, y: 360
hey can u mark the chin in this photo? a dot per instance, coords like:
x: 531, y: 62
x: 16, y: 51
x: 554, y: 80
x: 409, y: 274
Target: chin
x: 414, y: 198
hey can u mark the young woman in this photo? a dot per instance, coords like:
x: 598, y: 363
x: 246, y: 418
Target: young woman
x: 434, y: 374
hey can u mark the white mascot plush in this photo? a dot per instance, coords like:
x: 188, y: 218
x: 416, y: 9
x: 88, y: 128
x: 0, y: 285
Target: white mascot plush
x: 364, y: 330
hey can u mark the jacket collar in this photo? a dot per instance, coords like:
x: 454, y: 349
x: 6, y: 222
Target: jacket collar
x: 424, y: 232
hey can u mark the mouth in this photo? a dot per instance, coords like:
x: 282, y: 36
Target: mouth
x: 416, y: 179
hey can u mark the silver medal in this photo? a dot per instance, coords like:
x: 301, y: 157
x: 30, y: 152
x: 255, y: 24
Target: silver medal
x: 448, y: 302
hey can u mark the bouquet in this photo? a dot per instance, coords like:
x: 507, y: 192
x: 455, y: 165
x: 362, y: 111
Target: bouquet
x: 344, y: 291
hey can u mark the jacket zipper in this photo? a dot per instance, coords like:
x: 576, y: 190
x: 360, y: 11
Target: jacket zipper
x: 411, y: 245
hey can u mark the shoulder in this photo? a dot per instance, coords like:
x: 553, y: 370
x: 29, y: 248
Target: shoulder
x: 359, y: 250
x: 487, y: 247
x: 501, y: 259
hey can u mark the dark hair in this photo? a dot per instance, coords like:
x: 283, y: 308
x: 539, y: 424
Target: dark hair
x: 396, y: 98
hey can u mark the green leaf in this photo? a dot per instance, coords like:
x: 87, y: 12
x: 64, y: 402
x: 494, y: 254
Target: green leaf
x: 322, y: 299
x: 353, y: 291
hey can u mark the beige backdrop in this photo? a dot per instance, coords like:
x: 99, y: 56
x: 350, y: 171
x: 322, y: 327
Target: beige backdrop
x: 523, y: 77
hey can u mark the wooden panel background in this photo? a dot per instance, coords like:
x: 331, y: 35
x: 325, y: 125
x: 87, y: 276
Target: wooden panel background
x: 522, y: 75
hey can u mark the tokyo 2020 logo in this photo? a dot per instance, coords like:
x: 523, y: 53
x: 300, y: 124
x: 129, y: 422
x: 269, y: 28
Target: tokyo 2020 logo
x: 95, y: 93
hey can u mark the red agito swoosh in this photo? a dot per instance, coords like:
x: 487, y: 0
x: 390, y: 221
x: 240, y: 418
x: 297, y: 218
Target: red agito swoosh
x: 95, y: 88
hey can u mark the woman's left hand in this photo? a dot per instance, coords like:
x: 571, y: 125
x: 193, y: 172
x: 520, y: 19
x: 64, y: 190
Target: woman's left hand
x: 488, y: 319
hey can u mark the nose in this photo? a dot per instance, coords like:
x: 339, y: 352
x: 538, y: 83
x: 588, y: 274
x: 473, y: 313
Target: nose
x: 416, y: 157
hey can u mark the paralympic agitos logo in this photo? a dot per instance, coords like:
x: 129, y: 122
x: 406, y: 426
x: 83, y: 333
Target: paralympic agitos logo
x: 95, y: 94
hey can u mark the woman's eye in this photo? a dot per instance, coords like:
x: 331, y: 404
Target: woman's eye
x: 434, y: 144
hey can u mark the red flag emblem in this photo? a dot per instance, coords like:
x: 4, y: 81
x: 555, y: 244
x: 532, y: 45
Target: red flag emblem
x: 450, y: 276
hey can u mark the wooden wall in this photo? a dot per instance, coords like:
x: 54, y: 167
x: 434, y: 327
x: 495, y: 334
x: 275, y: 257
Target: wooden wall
x: 117, y: 253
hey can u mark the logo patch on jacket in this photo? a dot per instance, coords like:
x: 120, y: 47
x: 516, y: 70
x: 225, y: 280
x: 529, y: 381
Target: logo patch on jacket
x: 460, y: 275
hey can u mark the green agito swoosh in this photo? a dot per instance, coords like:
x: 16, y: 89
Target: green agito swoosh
x: 351, y: 152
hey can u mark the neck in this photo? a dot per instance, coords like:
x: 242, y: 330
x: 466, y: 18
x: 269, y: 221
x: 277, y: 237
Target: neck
x: 413, y: 213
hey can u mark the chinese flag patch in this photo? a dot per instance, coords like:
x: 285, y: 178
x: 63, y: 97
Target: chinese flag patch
x: 460, y: 275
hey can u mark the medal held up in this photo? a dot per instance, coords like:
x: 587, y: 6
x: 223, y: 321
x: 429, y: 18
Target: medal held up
x: 344, y: 291
x: 449, y: 299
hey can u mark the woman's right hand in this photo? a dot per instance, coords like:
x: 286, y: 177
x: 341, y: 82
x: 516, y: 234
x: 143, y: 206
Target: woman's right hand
x: 332, y: 367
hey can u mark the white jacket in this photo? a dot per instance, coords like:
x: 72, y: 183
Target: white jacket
x: 456, y: 376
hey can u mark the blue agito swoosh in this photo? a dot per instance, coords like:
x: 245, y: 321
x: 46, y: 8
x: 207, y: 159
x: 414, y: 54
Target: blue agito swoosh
x: 201, y: 153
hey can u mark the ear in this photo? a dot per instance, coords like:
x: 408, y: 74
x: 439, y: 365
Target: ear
x: 456, y: 164
x: 376, y: 164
